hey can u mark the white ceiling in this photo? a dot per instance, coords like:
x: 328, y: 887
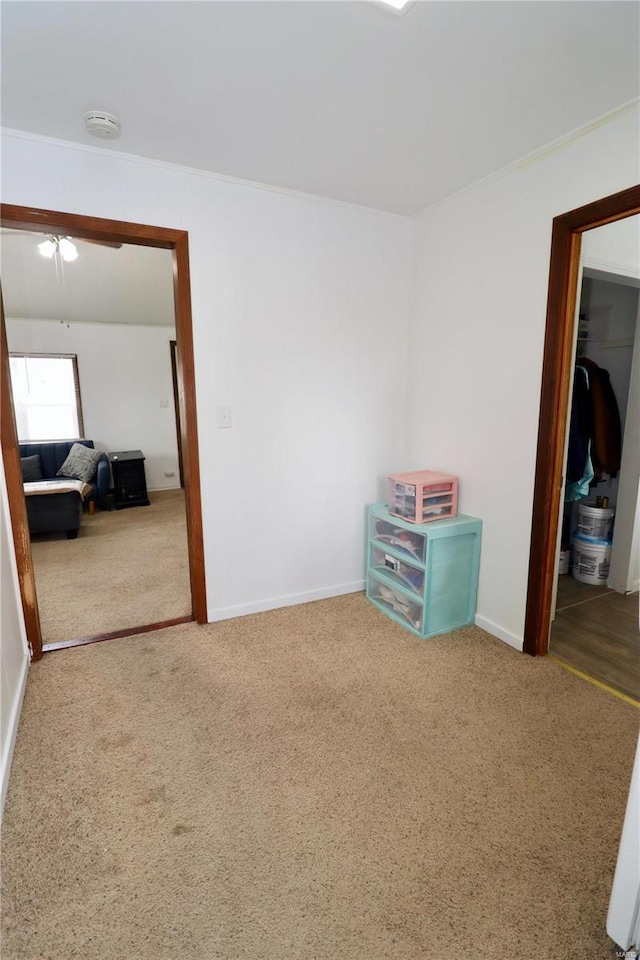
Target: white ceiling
x: 341, y: 99
x: 104, y: 285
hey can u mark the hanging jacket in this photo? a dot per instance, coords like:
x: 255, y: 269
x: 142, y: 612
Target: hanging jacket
x: 606, y: 445
x: 580, y: 426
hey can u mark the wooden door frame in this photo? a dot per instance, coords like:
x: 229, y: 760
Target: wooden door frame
x: 566, y: 244
x: 17, y: 506
x: 113, y: 231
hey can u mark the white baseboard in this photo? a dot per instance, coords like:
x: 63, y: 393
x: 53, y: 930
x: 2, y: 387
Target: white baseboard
x: 242, y: 610
x: 624, y: 588
x: 261, y: 606
x: 497, y: 631
x: 11, y: 732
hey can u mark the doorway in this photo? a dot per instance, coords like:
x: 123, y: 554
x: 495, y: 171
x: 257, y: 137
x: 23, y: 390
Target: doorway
x: 111, y: 232
x: 594, y: 629
x: 554, y: 403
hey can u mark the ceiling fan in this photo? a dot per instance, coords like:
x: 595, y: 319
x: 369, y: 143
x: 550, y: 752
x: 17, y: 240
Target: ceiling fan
x: 53, y: 241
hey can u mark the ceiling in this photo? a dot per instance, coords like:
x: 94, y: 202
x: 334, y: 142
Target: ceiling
x: 338, y: 98
x: 104, y: 285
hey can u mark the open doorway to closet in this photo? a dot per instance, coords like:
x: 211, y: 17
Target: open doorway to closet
x: 595, y: 620
x: 115, y: 233
x: 559, y: 357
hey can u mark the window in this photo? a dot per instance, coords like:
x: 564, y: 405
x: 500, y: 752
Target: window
x: 46, y: 396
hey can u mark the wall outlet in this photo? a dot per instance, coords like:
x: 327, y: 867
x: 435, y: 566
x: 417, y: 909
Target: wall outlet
x: 223, y: 418
x: 169, y: 473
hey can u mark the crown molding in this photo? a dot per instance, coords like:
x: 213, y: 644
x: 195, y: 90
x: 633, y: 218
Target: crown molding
x: 618, y: 268
x: 540, y: 154
x: 16, y: 134
x: 530, y: 159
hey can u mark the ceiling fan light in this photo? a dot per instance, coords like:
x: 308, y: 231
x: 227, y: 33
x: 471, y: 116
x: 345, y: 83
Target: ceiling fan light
x: 68, y: 249
x: 47, y: 248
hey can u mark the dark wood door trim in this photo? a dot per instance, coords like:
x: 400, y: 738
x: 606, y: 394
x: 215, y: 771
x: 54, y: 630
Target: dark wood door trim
x: 117, y: 634
x: 114, y: 231
x: 554, y: 401
x: 185, y: 370
x: 17, y: 505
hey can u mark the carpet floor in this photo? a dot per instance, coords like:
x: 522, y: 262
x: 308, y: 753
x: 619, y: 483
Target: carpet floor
x: 127, y: 568
x: 312, y: 783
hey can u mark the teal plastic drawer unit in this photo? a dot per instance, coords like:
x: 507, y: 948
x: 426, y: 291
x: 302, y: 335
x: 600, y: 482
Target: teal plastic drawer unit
x: 424, y: 576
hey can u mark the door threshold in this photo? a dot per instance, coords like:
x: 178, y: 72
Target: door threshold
x: 116, y: 634
x: 596, y: 683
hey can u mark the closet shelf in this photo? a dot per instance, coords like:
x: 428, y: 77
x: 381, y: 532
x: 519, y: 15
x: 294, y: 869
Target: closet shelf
x: 606, y: 343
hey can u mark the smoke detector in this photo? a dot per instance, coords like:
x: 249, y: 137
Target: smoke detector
x: 101, y: 124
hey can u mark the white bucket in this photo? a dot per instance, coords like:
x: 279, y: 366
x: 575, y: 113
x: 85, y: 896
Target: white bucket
x: 590, y: 560
x: 563, y: 565
x: 596, y: 522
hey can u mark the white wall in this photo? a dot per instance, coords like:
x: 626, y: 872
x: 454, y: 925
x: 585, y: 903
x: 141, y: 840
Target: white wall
x: 301, y: 310
x: 300, y: 314
x: 14, y: 654
x: 125, y: 376
x: 476, y: 344
x: 624, y: 575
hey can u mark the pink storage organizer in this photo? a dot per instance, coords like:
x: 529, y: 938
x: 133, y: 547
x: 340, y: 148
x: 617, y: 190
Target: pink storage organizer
x: 423, y: 495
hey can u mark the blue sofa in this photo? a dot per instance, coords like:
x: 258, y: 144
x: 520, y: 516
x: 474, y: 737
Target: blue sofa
x: 62, y: 512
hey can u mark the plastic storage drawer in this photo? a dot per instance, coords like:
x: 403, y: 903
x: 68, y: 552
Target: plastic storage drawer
x: 409, y: 543
x: 425, y: 579
x: 400, y: 572
x: 423, y: 496
x: 395, y: 602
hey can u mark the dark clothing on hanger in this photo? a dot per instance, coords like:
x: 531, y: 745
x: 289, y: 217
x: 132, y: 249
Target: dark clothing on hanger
x: 606, y: 445
x: 580, y: 426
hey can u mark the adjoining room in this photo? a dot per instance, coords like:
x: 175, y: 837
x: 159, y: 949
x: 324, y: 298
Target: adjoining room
x: 91, y: 336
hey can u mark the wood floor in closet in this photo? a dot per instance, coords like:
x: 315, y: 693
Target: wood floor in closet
x: 596, y: 631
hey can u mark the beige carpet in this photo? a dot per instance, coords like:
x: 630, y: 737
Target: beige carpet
x: 312, y: 783
x: 126, y: 568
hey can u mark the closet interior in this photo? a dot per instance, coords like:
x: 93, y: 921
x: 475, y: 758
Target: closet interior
x: 595, y: 625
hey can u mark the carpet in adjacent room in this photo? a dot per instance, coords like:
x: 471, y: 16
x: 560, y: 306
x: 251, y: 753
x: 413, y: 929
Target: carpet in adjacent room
x: 127, y: 568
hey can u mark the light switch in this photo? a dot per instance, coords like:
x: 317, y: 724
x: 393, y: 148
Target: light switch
x: 164, y: 403
x: 223, y: 417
